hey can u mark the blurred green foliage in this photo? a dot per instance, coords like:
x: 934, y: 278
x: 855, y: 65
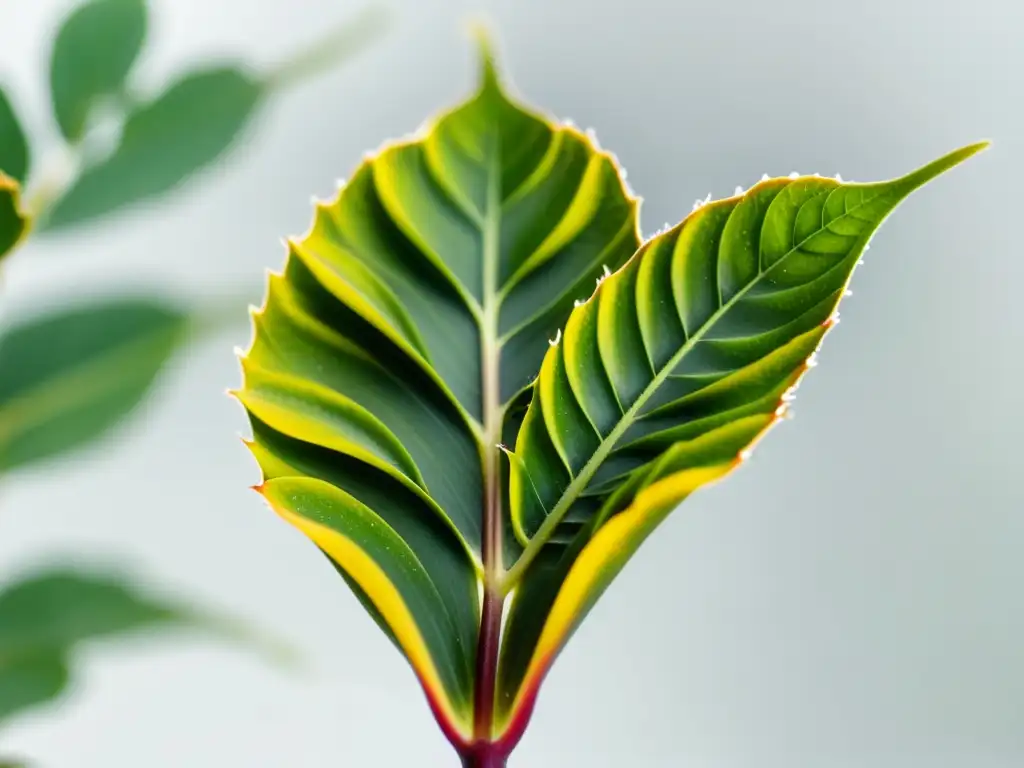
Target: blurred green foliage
x: 68, y: 376
x: 101, y: 359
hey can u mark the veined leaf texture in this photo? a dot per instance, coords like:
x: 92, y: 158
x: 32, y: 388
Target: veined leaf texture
x: 477, y: 390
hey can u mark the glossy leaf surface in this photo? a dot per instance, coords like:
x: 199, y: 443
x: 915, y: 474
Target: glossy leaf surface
x: 13, y: 221
x: 70, y: 376
x: 164, y: 142
x: 666, y: 377
x: 14, y: 150
x: 92, y: 56
x: 415, y: 310
x: 438, y: 308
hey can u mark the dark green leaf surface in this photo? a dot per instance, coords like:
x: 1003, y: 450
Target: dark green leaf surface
x: 70, y: 376
x: 92, y: 57
x: 165, y: 141
x: 405, y: 323
x: 678, y: 363
x: 14, y: 150
x: 13, y: 222
x: 437, y: 312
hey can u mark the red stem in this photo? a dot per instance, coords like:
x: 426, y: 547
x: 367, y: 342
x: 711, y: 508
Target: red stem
x: 487, y: 665
x: 485, y: 756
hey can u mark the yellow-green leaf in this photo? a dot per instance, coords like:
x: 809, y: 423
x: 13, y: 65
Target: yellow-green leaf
x: 440, y: 395
x: 412, y: 316
x: 14, y: 223
x: 664, y: 379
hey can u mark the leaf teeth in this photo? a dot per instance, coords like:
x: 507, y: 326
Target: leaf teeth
x: 839, y: 178
x: 765, y: 177
x: 558, y: 337
x: 738, y: 191
x: 794, y: 174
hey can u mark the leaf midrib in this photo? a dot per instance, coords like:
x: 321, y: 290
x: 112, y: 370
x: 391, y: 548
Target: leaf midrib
x: 607, y: 444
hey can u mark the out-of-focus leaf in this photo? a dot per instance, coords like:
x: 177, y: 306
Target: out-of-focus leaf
x: 92, y: 57
x: 70, y: 376
x: 14, y: 150
x: 45, y: 618
x: 165, y: 141
x: 13, y: 222
x: 30, y: 681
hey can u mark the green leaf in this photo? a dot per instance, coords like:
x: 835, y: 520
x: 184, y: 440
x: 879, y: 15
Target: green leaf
x: 442, y: 313
x: 663, y: 381
x: 14, y: 150
x: 46, y: 617
x: 69, y: 377
x: 14, y: 223
x: 92, y: 57
x: 164, y: 142
x: 403, y: 329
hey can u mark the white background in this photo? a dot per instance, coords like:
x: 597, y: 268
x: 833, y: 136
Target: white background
x: 852, y: 597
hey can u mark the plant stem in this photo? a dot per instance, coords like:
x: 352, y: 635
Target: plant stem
x: 484, y: 758
x: 493, y: 599
x: 336, y: 45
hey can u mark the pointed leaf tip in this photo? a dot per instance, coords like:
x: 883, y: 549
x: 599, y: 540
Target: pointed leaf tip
x: 918, y: 178
x: 490, y: 79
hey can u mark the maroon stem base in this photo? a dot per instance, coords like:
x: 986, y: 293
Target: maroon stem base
x: 484, y: 756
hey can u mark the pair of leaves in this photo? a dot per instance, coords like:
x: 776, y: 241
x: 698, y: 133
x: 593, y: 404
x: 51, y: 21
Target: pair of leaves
x: 408, y: 335
x: 164, y: 139
x: 47, y: 617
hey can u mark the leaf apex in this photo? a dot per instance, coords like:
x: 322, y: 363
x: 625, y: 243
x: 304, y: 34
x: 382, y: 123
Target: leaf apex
x: 918, y: 178
x: 490, y: 77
